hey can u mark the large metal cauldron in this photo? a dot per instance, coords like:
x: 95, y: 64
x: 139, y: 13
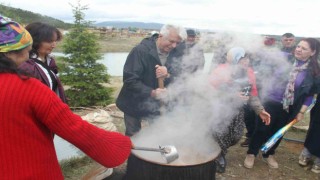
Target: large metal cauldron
x: 141, y: 168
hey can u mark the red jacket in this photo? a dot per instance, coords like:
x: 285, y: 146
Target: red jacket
x: 222, y: 74
x: 30, y: 113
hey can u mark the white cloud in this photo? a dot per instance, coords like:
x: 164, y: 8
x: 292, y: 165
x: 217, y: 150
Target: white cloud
x: 266, y: 16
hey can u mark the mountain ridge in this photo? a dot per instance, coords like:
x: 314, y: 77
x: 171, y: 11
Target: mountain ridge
x: 26, y: 17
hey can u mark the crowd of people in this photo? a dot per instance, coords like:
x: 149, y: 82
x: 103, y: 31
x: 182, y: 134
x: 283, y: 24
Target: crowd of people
x: 288, y: 99
x: 34, y: 105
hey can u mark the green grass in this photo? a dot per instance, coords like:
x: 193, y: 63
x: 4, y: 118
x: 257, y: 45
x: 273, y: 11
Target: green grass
x: 75, y: 168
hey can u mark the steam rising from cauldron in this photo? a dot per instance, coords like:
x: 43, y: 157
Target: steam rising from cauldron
x: 197, y: 109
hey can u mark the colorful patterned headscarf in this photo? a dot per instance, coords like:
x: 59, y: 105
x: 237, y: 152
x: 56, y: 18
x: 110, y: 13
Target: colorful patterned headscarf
x: 13, y: 36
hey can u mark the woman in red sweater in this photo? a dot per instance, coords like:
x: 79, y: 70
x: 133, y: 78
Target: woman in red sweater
x: 31, y: 113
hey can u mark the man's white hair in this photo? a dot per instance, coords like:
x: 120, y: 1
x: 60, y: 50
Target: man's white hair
x: 165, y: 30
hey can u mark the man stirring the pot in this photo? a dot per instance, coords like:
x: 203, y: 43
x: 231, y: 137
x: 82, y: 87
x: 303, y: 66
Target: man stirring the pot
x: 143, y: 75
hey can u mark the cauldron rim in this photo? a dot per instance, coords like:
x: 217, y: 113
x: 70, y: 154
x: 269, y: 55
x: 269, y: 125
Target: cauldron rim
x: 215, y: 155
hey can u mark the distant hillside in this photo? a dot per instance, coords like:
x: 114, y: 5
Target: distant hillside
x: 124, y: 24
x: 26, y: 17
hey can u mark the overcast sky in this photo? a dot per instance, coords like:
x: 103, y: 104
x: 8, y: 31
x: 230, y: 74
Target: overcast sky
x: 301, y: 17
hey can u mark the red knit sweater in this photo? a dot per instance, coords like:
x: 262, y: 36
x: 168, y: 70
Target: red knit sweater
x: 30, y: 113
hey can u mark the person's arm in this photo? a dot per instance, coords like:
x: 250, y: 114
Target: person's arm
x: 254, y: 100
x: 133, y: 73
x: 108, y: 148
x: 252, y: 80
x: 307, y: 102
x: 220, y: 75
x: 300, y: 115
x: 256, y: 105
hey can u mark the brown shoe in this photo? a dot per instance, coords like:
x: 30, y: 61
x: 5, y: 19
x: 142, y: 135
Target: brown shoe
x: 249, y: 161
x: 245, y: 143
x: 271, y: 162
x: 304, y: 160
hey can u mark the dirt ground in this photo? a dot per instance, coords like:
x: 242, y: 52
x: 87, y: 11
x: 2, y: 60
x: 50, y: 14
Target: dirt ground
x: 287, y: 156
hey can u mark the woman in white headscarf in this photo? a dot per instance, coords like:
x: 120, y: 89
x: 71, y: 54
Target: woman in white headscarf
x: 236, y: 76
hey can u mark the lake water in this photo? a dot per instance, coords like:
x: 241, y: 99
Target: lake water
x: 64, y: 149
x: 114, y: 63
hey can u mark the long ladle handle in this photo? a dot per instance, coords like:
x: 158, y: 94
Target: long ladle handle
x: 161, y: 83
x: 161, y: 86
x: 149, y: 149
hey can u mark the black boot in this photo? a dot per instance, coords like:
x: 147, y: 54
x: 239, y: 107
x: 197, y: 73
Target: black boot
x: 221, y: 163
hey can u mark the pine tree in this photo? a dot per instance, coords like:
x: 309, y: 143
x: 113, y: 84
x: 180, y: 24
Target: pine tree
x: 81, y: 73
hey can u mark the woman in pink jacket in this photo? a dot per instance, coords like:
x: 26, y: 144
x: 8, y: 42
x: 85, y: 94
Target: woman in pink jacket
x: 236, y: 78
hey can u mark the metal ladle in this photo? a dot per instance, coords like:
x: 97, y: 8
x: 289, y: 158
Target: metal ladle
x: 169, y: 152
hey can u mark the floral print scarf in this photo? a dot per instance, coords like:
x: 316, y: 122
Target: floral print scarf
x: 288, y: 96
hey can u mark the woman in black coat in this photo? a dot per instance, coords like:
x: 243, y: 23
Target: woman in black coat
x: 312, y: 145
